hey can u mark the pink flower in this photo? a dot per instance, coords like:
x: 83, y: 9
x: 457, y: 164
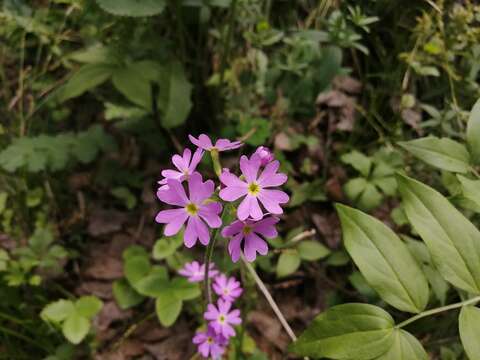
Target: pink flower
x: 205, y: 143
x: 247, y: 234
x: 195, y: 208
x: 185, y: 164
x: 256, y: 188
x: 210, y: 344
x: 195, y: 272
x: 227, y: 288
x: 263, y: 154
x: 221, y: 318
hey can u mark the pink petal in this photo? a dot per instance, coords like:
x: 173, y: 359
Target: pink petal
x: 249, y: 168
x: 173, y: 226
x: 256, y: 242
x: 232, y: 229
x: 209, y: 212
x: 249, y: 207
x: 175, y: 195
x: 266, y: 227
x: 224, y: 306
x: 180, y: 162
x: 229, y: 179
x: 198, y: 190
x: 166, y: 216
x: 232, y: 193
x: 234, y: 247
x: 190, y: 236
x: 203, y: 141
x: 202, y: 231
x: 187, y: 155
x: 204, y: 349
x: 225, y: 144
x: 271, y: 200
x: 197, y: 157
x: 269, y: 176
x: 171, y: 174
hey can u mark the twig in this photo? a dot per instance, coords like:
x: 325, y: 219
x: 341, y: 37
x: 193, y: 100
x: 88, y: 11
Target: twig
x: 303, y: 235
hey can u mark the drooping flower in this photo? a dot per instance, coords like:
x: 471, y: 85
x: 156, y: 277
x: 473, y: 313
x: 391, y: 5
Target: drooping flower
x: 186, y: 165
x: 196, y: 208
x: 245, y: 236
x: 195, y: 272
x: 210, y: 344
x: 227, y: 288
x: 255, y: 188
x: 204, y: 142
x: 221, y: 318
x: 263, y: 154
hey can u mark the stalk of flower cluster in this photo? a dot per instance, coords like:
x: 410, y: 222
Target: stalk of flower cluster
x: 269, y: 298
x: 217, y: 167
x: 438, y: 310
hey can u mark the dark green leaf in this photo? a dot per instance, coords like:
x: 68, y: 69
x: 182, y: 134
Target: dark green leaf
x: 132, y: 7
x: 473, y: 132
x: 125, y: 295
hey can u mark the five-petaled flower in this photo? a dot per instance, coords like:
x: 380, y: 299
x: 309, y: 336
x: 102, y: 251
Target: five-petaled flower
x: 196, y: 208
x: 221, y: 318
x: 255, y: 188
x: 210, y: 344
x: 186, y: 165
x: 245, y: 236
x: 204, y: 142
x: 227, y: 288
x: 195, y: 272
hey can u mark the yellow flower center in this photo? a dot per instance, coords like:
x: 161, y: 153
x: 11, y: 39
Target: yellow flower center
x: 191, y: 209
x: 253, y: 189
x: 221, y: 319
x: 247, y: 229
x: 210, y: 340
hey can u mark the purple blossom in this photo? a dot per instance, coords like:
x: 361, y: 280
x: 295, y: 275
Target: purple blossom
x: 221, y: 318
x: 195, y: 272
x: 195, y: 208
x: 255, y: 188
x: 210, y: 344
x: 186, y: 165
x: 227, y: 288
x: 204, y: 142
x: 263, y: 154
x: 246, y: 235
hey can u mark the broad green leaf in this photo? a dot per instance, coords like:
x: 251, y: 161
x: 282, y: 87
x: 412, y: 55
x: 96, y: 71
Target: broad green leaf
x: 134, y: 250
x: 3, y: 201
x: 4, y: 257
x: 88, y: 306
x: 312, y: 250
x: 165, y: 247
x: 125, y: 295
x: 174, y: 98
x: 453, y: 241
x: 88, y: 77
x: 348, y: 331
x: 58, y: 310
x: 442, y: 153
x: 168, y: 307
x: 469, y: 325
x: 470, y: 189
x: 136, y: 268
x: 185, y: 290
x: 473, y: 132
x: 363, y: 193
x: 404, y: 347
x: 152, y: 285
x: 288, y: 263
x: 134, y: 85
x: 132, y: 7
x: 359, y: 282
x: 358, y: 161
x: 384, y: 260
x: 75, y: 328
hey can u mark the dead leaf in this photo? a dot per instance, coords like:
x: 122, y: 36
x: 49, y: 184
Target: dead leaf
x: 347, y: 83
x: 103, y: 267
x: 328, y: 226
x: 282, y: 142
x: 102, y: 221
x: 100, y: 289
x: 269, y: 327
x: 109, y: 314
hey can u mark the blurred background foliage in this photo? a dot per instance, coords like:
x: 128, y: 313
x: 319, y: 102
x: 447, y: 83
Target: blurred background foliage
x: 95, y: 96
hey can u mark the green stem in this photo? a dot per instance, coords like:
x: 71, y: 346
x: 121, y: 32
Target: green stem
x: 217, y: 166
x: 438, y: 310
x: 228, y: 39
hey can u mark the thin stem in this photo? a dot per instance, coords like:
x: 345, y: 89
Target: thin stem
x: 269, y: 298
x: 438, y: 310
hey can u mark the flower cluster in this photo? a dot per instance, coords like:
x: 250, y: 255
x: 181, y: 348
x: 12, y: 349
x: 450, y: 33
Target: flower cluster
x: 196, y: 208
x: 221, y: 317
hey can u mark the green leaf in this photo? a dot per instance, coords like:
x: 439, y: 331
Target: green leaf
x: 469, y: 325
x: 288, y: 263
x: 132, y: 7
x: 152, y: 285
x: 3, y: 201
x: 165, y: 247
x: 168, y: 308
x: 87, y: 77
x: 136, y: 268
x: 174, y: 98
x: 125, y: 295
x: 384, y: 260
x: 75, y: 328
x: 470, y: 189
x: 134, y: 250
x: 57, y: 311
x: 4, y: 257
x: 452, y: 240
x: 259, y: 130
x: 473, y: 132
x: 404, y: 347
x: 185, y: 290
x: 442, y: 153
x: 88, y: 306
x: 363, y: 193
x: 348, y: 331
x: 134, y: 85
x: 358, y: 161
x: 312, y: 250
x: 123, y: 193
